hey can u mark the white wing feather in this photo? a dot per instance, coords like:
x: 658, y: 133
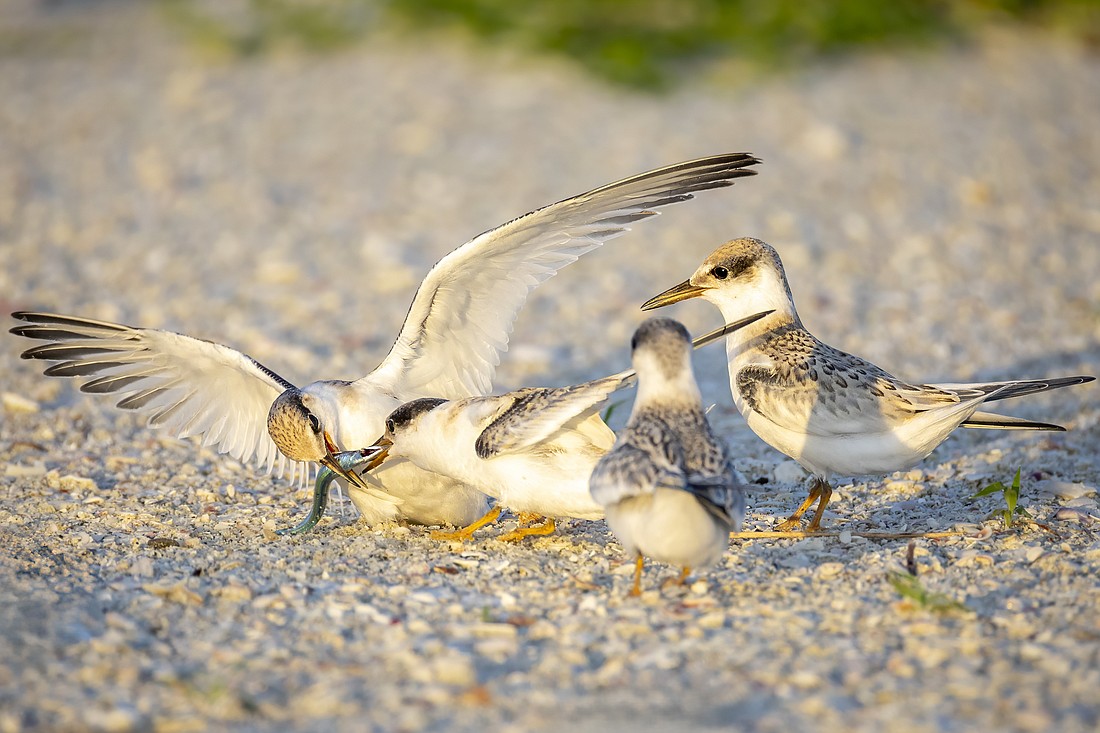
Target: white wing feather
x: 449, y: 345
x: 185, y: 385
x: 462, y: 314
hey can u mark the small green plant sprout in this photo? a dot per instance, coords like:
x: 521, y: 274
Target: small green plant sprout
x: 909, y: 587
x: 1012, y: 497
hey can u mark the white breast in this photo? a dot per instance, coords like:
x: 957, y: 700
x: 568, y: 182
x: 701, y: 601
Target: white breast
x: 669, y: 526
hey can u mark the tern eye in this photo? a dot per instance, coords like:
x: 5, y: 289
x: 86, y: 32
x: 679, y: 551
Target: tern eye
x: 720, y: 272
x: 389, y: 425
x: 314, y: 423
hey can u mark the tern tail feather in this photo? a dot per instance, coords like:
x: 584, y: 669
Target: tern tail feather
x: 990, y: 421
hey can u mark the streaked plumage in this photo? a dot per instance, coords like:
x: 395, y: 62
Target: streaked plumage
x: 668, y: 486
x: 834, y: 413
x: 449, y: 346
x: 532, y: 449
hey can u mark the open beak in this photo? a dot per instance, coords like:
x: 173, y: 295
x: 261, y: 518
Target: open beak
x: 675, y: 294
x: 382, y: 446
x: 331, y: 462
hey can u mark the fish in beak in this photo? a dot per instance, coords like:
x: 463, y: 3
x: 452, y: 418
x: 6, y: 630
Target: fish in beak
x: 382, y: 452
x: 332, y: 462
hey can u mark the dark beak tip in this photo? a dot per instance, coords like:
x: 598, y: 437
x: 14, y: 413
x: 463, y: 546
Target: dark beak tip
x: 350, y: 476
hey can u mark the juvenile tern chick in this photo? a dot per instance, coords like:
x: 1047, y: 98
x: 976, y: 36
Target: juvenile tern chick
x: 449, y: 346
x: 532, y: 450
x: 668, y: 486
x: 834, y: 413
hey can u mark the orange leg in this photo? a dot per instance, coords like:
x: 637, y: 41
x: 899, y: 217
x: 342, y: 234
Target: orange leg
x: 519, y: 533
x: 826, y: 494
x: 820, y: 491
x: 679, y: 580
x: 467, y: 532
x: 639, y: 563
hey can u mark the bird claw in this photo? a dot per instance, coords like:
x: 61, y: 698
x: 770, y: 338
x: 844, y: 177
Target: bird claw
x: 789, y: 525
x: 466, y: 533
x: 678, y: 581
x: 519, y: 533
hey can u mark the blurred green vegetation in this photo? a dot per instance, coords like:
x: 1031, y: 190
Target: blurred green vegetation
x: 645, y: 44
x: 909, y: 587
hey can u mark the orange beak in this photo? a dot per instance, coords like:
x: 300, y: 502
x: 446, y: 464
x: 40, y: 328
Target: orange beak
x: 383, y: 446
x: 329, y: 461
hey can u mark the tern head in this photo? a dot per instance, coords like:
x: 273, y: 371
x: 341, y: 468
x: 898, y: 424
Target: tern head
x: 296, y: 427
x: 661, y: 354
x: 402, y: 423
x: 298, y: 424
x: 741, y: 277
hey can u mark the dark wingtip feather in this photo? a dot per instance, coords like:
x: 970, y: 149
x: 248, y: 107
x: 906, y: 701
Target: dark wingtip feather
x: 1014, y: 425
x: 106, y: 385
x: 1032, y: 386
x: 56, y: 319
x: 65, y: 352
x: 43, y: 332
x: 80, y: 368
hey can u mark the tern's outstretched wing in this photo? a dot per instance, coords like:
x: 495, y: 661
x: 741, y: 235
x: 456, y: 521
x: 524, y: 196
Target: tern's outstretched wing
x: 537, y: 413
x: 462, y: 315
x: 188, y: 386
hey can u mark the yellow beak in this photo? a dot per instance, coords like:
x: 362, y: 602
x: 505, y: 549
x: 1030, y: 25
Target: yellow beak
x: 675, y: 294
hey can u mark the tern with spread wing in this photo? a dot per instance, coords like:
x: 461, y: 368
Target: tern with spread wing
x: 448, y: 347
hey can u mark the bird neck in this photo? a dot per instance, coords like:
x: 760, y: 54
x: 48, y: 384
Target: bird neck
x: 680, y: 389
x: 772, y: 295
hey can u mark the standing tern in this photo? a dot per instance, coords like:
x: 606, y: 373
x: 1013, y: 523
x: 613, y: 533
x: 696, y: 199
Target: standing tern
x: 833, y: 412
x: 669, y: 488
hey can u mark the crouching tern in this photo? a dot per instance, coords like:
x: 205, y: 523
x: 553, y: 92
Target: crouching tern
x: 668, y: 486
x: 533, y: 449
x: 449, y: 346
x: 833, y: 412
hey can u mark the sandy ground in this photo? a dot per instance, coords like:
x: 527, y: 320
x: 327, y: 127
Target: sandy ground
x: 938, y: 214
